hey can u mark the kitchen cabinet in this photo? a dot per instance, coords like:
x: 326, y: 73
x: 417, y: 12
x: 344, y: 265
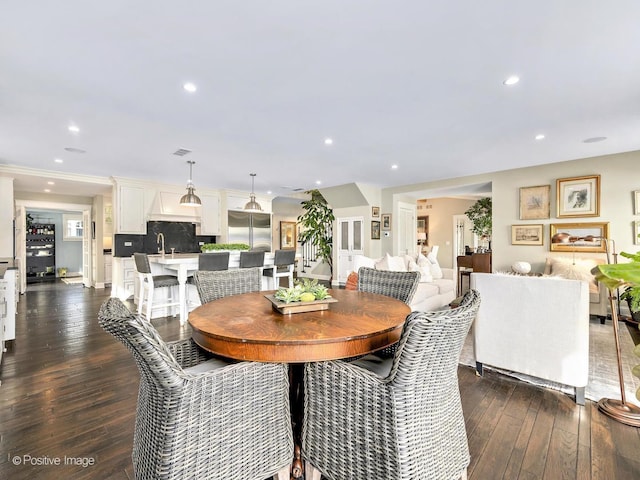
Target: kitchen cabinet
x: 131, y: 212
x: 8, y: 300
x: 123, y: 277
x: 41, y: 252
x: 107, y: 267
x: 210, y: 223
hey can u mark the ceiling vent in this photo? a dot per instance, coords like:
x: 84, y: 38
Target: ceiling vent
x: 181, y: 152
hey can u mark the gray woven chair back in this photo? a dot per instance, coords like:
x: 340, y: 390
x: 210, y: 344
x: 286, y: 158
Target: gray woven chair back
x: 229, y: 420
x: 142, y: 262
x: 251, y: 259
x: 427, y: 355
x: 213, y: 262
x: 155, y: 362
x: 214, y: 285
x: 284, y: 257
x: 399, y: 285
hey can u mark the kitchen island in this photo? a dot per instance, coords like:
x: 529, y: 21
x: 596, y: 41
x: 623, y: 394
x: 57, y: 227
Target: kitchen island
x: 184, y: 264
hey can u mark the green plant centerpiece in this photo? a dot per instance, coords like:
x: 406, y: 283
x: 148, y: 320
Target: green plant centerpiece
x: 216, y: 247
x: 316, y: 226
x: 480, y: 215
x: 304, y: 290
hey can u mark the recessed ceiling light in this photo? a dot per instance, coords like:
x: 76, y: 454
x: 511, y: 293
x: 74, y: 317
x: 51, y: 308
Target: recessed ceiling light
x: 394, y: 167
x: 269, y: 192
x: 318, y: 182
x: 75, y: 150
x: 58, y: 160
x: 594, y: 139
x: 51, y: 183
x: 74, y: 129
x: 47, y: 190
x: 328, y: 141
x: 539, y: 137
x: 512, y: 80
x: 190, y: 87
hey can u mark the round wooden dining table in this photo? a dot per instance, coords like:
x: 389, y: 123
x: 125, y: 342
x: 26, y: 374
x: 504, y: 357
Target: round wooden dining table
x: 246, y: 327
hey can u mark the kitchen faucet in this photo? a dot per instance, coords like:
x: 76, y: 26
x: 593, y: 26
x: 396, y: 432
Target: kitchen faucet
x: 159, y: 239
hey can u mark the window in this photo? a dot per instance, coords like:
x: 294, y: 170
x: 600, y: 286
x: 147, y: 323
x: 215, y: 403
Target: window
x: 71, y: 227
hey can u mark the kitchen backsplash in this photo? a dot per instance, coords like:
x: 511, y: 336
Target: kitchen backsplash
x: 179, y: 235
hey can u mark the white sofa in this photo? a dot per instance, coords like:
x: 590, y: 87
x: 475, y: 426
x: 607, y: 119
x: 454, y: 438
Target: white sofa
x: 432, y: 293
x: 538, y: 326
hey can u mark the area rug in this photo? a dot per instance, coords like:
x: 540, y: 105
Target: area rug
x: 603, y: 368
x: 72, y: 280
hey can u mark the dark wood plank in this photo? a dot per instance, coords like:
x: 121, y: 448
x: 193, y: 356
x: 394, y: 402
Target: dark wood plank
x: 68, y: 388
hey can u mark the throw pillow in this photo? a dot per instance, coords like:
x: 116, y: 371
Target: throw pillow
x: 422, y: 261
x: 434, y: 266
x: 352, y: 282
x: 392, y: 264
x: 425, y: 272
x: 579, y: 269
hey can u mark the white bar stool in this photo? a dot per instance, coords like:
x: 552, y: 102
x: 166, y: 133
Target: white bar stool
x: 149, y: 282
x: 283, y: 265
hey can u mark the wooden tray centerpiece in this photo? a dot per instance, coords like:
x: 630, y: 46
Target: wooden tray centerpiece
x: 299, y: 307
x: 306, y: 296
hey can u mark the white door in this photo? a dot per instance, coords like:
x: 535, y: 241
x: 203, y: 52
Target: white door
x: 350, y: 243
x: 407, y: 229
x: 462, y: 236
x: 86, y: 248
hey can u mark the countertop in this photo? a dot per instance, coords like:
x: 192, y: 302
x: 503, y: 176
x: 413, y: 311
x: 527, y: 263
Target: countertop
x: 7, y: 264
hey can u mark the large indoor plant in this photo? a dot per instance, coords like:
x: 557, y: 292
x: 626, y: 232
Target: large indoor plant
x: 631, y: 293
x: 316, y: 226
x: 615, y: 276
x: 480, y: 215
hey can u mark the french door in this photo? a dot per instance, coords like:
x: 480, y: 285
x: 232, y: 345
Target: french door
x: 350, y: 243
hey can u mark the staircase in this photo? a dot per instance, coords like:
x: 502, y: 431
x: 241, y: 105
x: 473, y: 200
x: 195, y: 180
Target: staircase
x: 310, y: 266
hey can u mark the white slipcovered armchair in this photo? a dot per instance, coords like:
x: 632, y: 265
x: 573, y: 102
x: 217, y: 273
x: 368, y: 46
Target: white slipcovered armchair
x: 538, y: 326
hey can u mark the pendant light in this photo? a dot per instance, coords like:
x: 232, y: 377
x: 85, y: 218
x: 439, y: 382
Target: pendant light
x: 252, y: 205
x: 190, y: 199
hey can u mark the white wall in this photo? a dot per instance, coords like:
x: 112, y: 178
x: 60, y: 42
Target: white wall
x: 619, y: 178
x: 6, y: 217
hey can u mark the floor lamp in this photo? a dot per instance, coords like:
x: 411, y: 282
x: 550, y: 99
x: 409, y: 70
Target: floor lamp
x: 619, y: 410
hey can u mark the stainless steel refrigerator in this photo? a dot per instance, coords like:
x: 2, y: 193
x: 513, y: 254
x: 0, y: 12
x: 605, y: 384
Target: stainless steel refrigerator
x: 251, y: 228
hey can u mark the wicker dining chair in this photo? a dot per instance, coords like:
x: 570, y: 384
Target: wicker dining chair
x: 399, y: 285
x: 199, y: 416
x: 213, y: 285
x: 395, y: 418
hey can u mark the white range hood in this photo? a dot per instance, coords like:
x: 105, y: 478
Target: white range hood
x: 166, y: 206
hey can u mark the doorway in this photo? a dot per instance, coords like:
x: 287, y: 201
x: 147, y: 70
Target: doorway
x: 47, y: 236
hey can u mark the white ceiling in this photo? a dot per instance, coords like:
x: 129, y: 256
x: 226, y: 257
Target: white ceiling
x: 414, y: 83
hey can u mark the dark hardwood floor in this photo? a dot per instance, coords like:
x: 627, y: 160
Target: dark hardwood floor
x: 70, y: 390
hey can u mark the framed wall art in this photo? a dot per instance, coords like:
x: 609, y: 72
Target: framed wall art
x: 375, y: 212
x: 386, y: 221
x: 527, y: 234
x: 288, y: 235
x: 535, y: 202
x: 636, y: 233
x: 636, y: 202
x: 579, y: 237
x: 375, y: 230
x: 578, y: 196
